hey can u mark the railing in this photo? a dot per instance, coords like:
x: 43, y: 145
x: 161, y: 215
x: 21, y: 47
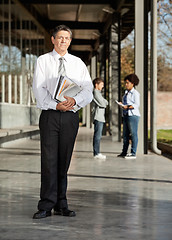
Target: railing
x: 16, y: 89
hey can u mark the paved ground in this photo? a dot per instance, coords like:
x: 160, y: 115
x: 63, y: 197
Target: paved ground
x: 116, y: 199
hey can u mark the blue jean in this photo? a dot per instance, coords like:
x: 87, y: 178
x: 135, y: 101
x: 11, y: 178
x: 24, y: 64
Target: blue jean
x: 130, y: 127
x: 98, y: 128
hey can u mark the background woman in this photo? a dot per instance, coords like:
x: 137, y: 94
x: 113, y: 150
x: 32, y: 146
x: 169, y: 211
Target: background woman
x: 131, y: 116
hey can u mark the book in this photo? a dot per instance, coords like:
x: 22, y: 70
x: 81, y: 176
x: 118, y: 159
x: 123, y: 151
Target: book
x: 119, y: 104
x: 66, y: 87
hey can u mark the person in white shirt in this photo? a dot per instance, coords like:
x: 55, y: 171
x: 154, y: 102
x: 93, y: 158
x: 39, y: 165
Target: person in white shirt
x: 58, y: 121
x: 131, y: 116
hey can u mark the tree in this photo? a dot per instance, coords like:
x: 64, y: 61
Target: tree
x: 164, y: 11
x: 164, y: 46
x: 164, y: 74
x: 127, y: 61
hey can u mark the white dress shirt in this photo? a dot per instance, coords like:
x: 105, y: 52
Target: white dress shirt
x: 133, y: 99
x: 46, y: 75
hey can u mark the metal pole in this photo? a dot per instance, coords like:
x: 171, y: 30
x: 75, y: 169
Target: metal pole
x: 88, y: 110
x: 15, y: 89
x: 3, y: 87
x: 21, y: 89
x: 146, y: 76
x: 139, y: 66
x: 9, y: 88
x: 9, y: 33
x: 119, y: 76
x: 153, y: 78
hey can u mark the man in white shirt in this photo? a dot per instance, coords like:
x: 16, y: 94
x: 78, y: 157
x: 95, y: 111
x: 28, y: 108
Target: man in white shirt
x: 58, y: 121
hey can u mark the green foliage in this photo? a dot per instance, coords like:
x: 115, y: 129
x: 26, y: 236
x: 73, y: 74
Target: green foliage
x: 127, y: 62
x: 163, y: 135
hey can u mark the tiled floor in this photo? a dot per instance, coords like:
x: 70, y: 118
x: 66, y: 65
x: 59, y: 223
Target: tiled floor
x: 116, y: 199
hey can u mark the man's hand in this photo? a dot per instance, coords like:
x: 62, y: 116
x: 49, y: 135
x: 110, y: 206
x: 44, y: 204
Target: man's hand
x: 66, y: 105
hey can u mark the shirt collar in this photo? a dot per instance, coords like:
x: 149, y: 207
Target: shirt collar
x: 131, y: 91
x: 57, y: 56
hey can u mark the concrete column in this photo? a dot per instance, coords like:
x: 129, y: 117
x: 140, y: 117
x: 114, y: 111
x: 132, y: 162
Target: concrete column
x: 93, y: 68
x: 93, y: 76
x: 88, y: 120
x: 139, y: 66
x: 113, y: 81
x: 102, y: 61
x: 146, y: 74
x: 153, y: 77
x: 88, y: 110
x: 83, y: 116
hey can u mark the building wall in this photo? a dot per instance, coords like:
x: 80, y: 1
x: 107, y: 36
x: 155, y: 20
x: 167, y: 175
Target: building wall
x: 15, y: 115
x: 164, y: 110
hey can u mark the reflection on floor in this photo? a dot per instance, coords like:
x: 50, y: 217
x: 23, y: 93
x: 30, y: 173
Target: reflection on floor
x: 115, y: 199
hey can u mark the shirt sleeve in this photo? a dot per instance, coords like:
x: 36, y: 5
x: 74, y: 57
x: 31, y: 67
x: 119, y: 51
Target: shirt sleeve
x: 85, y: 96
x: 136, y: 102
x: 43, y: 97
x: 99, y: 99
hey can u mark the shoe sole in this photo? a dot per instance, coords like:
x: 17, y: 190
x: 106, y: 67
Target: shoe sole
x: 47, y: 215
x: 72, y: 214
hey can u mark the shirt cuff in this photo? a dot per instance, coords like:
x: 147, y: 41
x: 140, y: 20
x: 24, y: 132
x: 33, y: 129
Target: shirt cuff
x: 52, y: 105
x: 78, y: 100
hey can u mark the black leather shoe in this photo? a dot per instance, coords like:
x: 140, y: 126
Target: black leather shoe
x: 41, y: 214
x: 65, y: 212
x: 121, y: 155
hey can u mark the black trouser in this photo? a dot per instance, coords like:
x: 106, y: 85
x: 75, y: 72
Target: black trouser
x: 58, y: 132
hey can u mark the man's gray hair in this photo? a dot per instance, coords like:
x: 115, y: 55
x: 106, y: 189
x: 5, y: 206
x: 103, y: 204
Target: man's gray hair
x: 61, y: 28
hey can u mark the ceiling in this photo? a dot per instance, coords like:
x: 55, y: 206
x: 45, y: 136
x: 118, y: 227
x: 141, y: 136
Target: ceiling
x: 89, y: 20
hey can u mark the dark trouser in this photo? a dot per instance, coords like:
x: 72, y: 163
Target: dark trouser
x: 58, y: 132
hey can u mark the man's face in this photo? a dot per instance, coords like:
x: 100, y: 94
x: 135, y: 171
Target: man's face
x: 61, y: 42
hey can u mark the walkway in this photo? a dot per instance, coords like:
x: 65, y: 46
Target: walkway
x: 116, y: 199
x: 11, y: 134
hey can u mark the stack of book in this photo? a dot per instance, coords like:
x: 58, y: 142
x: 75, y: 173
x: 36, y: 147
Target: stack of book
x: 66, y: 87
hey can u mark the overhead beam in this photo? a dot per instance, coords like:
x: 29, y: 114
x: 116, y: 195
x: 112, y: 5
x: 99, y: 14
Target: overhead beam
x: 114, y: 4
x: 36, y: 21
x: 74, y: 25
x: 45, y: 25
x: 67, y: 1
x: 19, y: 25
x: 39, y: 41
x: 76, y: 41
x: 50, y: 24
